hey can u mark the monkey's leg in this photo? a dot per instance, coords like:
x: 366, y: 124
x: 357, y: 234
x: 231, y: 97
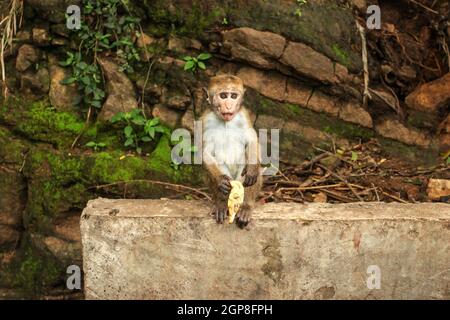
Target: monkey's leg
x: 245, y: 212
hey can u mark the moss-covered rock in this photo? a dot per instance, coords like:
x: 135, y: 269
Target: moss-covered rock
x: 39, y: 121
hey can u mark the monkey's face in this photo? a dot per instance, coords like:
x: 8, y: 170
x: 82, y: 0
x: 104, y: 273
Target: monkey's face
x: 227, y: 104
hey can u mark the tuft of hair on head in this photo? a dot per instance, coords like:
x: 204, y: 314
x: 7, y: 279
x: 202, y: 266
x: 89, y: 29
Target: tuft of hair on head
x: 226, y: 82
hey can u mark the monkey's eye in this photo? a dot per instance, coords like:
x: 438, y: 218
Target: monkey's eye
x: 234, y: 96
x: 223, y: 95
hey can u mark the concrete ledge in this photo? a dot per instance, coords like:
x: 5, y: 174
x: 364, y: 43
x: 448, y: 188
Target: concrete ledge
x: 172, y: 249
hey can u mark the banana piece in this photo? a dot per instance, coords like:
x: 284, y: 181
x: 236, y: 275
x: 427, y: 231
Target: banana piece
x: 235, y: 199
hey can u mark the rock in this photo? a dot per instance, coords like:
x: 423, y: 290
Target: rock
x: 297, y: 93
x: 179, y: 102
x: 142, y: 42
x: 361, y: 5
x: 431, y: 96
x: 269, y: 83
x: 121, y: 95
x: 23, y: 35
x: 321, y: 102
x: 26, y: 57
x: 320, y: 197
x: 12, y: 199
x: 58, y: 41
x: 9, y: 237
x: 292, y: 251
x: 241, y: 53
x: 67, y: 228
x: 438, y: 188
x: 187, y: 121
x: 312, y: 64
x: 176, y: 44
x: 444, y: 134
x: 63, y: 97
x: 393, y: 129
x: 167, y: 116
x: 264, y: 121
x: 52, y: 10
x: 35, y: 83
x: 41, y: 36
x: 352, y: 111
x: 266, y: 43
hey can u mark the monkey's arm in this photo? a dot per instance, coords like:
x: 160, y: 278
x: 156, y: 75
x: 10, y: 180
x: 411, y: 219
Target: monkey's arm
x: 251, y: 170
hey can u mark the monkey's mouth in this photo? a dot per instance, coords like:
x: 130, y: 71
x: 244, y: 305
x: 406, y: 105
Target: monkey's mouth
x: 227, y: 116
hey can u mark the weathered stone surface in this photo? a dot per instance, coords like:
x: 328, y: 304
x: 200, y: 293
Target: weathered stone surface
x: 12, y: 196
x: 311, y: 63
x: 269, y: 84
x: 142, y: 42
x: 187, y: 120
x: 62, y: 96
x: 438, y: 188
x: 430, y: 96
x: 321, y: 102
x: 26, y: 56
x: 393, y: 129
x: 167, y: 116
x: 351, y: 111
x: 268, y: 43
x: 121, y: 95
x: 297, y: 93
x: 41, y: 36
x: 264, y: 121
x: 163, y: 249
x: 35, y: 83
x: 9, y: 237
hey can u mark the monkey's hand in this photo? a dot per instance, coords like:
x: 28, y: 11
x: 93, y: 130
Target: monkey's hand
x: 224, y: 184
x: 250, y: 174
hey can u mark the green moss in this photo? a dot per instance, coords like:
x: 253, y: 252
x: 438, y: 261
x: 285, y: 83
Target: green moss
x: 39, y: 121
x: 341, y: 55
x: 168, y: 18
x: 12, y: 149
x: 32, y: 271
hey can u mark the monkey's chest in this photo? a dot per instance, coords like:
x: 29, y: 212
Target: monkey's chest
x: 229, y: 150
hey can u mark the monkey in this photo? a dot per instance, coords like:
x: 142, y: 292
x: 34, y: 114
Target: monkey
x: 230, y: 147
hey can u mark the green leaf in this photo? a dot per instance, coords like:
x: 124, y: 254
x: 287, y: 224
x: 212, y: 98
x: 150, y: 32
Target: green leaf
x: 96, y: 104
x: 86, y: 80
x: 189, y: 65
x: 201, y: 65
x: 151, y: 132
x: 139, y: 150
x: 153, y: 122
x: 146, y: 139
x: 90, y: 144
x: 69, y: 80
x: 128, y: 142
x: 187, y: 58
x: 448, y: 160
x: 117, y: 117
x: 128, y: 130
x: 204, y: 56
x: 101, y: 144
x: 354, y: 156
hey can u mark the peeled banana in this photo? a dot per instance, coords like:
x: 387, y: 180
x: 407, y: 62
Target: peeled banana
x: 235, y: 199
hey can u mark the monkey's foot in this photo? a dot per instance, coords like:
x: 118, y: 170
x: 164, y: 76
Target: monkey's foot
x: 220, y: 213
x: 243, y: 217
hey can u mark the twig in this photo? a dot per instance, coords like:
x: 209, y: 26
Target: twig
x: 366, y: 94
x: 343, y: 180
x: 394, y: 197
x: 174, y: 186
x: 424, y: 6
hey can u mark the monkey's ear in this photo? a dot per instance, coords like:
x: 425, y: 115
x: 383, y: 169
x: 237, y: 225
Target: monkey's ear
x: 207, y: 95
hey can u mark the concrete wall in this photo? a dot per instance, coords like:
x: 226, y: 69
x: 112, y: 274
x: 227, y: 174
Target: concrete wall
x: 172, y: 249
